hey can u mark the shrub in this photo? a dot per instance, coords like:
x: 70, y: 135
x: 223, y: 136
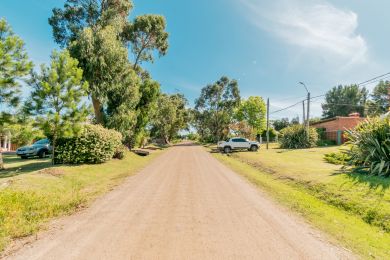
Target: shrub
x: 294, y: 137
x: 371, y: 146
x: 273, y: 134
x: 95, y: 144
x: 120, y: 152
x: 340, y: 158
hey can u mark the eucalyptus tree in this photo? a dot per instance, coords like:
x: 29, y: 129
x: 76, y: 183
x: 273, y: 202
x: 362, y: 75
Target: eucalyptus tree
x: 147, y: 34
x: 216, y: 105
x: 171, y: 116
x: 14, y: 65
x: 98, y: 33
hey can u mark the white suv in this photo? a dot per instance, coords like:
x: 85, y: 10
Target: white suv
x: 238, y: 143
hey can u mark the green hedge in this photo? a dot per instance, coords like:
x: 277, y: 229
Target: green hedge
x: 95, y: 144
x: 294, y: 137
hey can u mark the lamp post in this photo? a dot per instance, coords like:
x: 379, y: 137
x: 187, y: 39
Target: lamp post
x: 308, y: 111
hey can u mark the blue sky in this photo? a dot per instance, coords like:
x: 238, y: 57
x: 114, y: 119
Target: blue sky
x: 269, y: 46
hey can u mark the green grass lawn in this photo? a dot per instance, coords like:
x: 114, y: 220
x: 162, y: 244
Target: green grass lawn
x: 353, y: 207
x: 32, y: 192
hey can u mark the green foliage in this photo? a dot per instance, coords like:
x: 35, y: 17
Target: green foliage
x: 120, y: 152
x: 122, y: 99
x: 242, y: 128
x: 273, y: 134
x: 57, y: 93
x: 193, y: 136
x: 24, y: 134
x: 69, y: 22
x: 146, y: 35
x: 146, y: 107
x: 339, y: 158
x: 14, y: 65
x: 171, y: 117
x: 380, y: 99
x: 103, y: 58
x: 95, y: 144
x: 295, y: 137
x: 280, y: 124
x: 98, y: 34
x: 214, y: 109
x: 371, y: 146
x: 344, y: 100
x: 253, y: 111
x: 322, y: 141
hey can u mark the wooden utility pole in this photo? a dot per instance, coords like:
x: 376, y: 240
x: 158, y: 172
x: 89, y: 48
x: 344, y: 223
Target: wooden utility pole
x: 267, y: 122
x: 304, y: 112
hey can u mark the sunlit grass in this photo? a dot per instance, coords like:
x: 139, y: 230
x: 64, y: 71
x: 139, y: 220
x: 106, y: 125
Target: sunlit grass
x: 352, y: 207
x: 30, y: 199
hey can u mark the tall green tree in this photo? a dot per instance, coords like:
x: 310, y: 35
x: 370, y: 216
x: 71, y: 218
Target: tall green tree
x: 58, y: 93
x: 170, y: 117
x: 146, y: 107
x: 216, y: 106
x: 122, y: 100
x: 379, y: 103
x: 254, y: 112
x: 68, y: 23
x: 14, y: 65
x: 343, y: 100
x: 98, y: 34
x: 104, y: 61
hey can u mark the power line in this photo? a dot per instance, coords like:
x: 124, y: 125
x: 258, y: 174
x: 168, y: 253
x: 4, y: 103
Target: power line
x: 378, y: 78
x: 289, y: 98
x: 277, y: 111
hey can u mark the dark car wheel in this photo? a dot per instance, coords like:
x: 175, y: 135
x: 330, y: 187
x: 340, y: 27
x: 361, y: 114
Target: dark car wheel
x: 254, y: 148
x: 227, y: 149
x: 42, y: 154
x: 23, y: 157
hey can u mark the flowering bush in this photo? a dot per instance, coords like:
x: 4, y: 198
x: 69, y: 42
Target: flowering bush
x: 95, y: 144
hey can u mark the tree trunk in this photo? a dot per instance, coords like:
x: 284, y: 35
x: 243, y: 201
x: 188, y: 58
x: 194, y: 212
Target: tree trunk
x: 1, y: 161
x: 53, y: 149
x: 97, y: 107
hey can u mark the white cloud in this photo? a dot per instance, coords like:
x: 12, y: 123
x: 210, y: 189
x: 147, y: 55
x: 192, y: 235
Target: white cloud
x: 316, y: 26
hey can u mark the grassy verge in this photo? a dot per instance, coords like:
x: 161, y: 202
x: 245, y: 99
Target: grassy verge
x: 31, y: 198
x: 287, y: 180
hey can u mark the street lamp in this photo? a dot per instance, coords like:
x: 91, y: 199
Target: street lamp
x: 308, y: 111
x: 304, y: 86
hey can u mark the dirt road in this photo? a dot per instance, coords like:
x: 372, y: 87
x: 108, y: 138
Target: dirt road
x: 185, y: 205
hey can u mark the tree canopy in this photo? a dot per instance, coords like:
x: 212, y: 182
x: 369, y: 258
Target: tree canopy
x: 379, y: 103
x: 171, y: 116
x: 214, y: 109
x: 344, y: 100
x: 99, y: 34
x: 14, y: 65
x: 254, y: 112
